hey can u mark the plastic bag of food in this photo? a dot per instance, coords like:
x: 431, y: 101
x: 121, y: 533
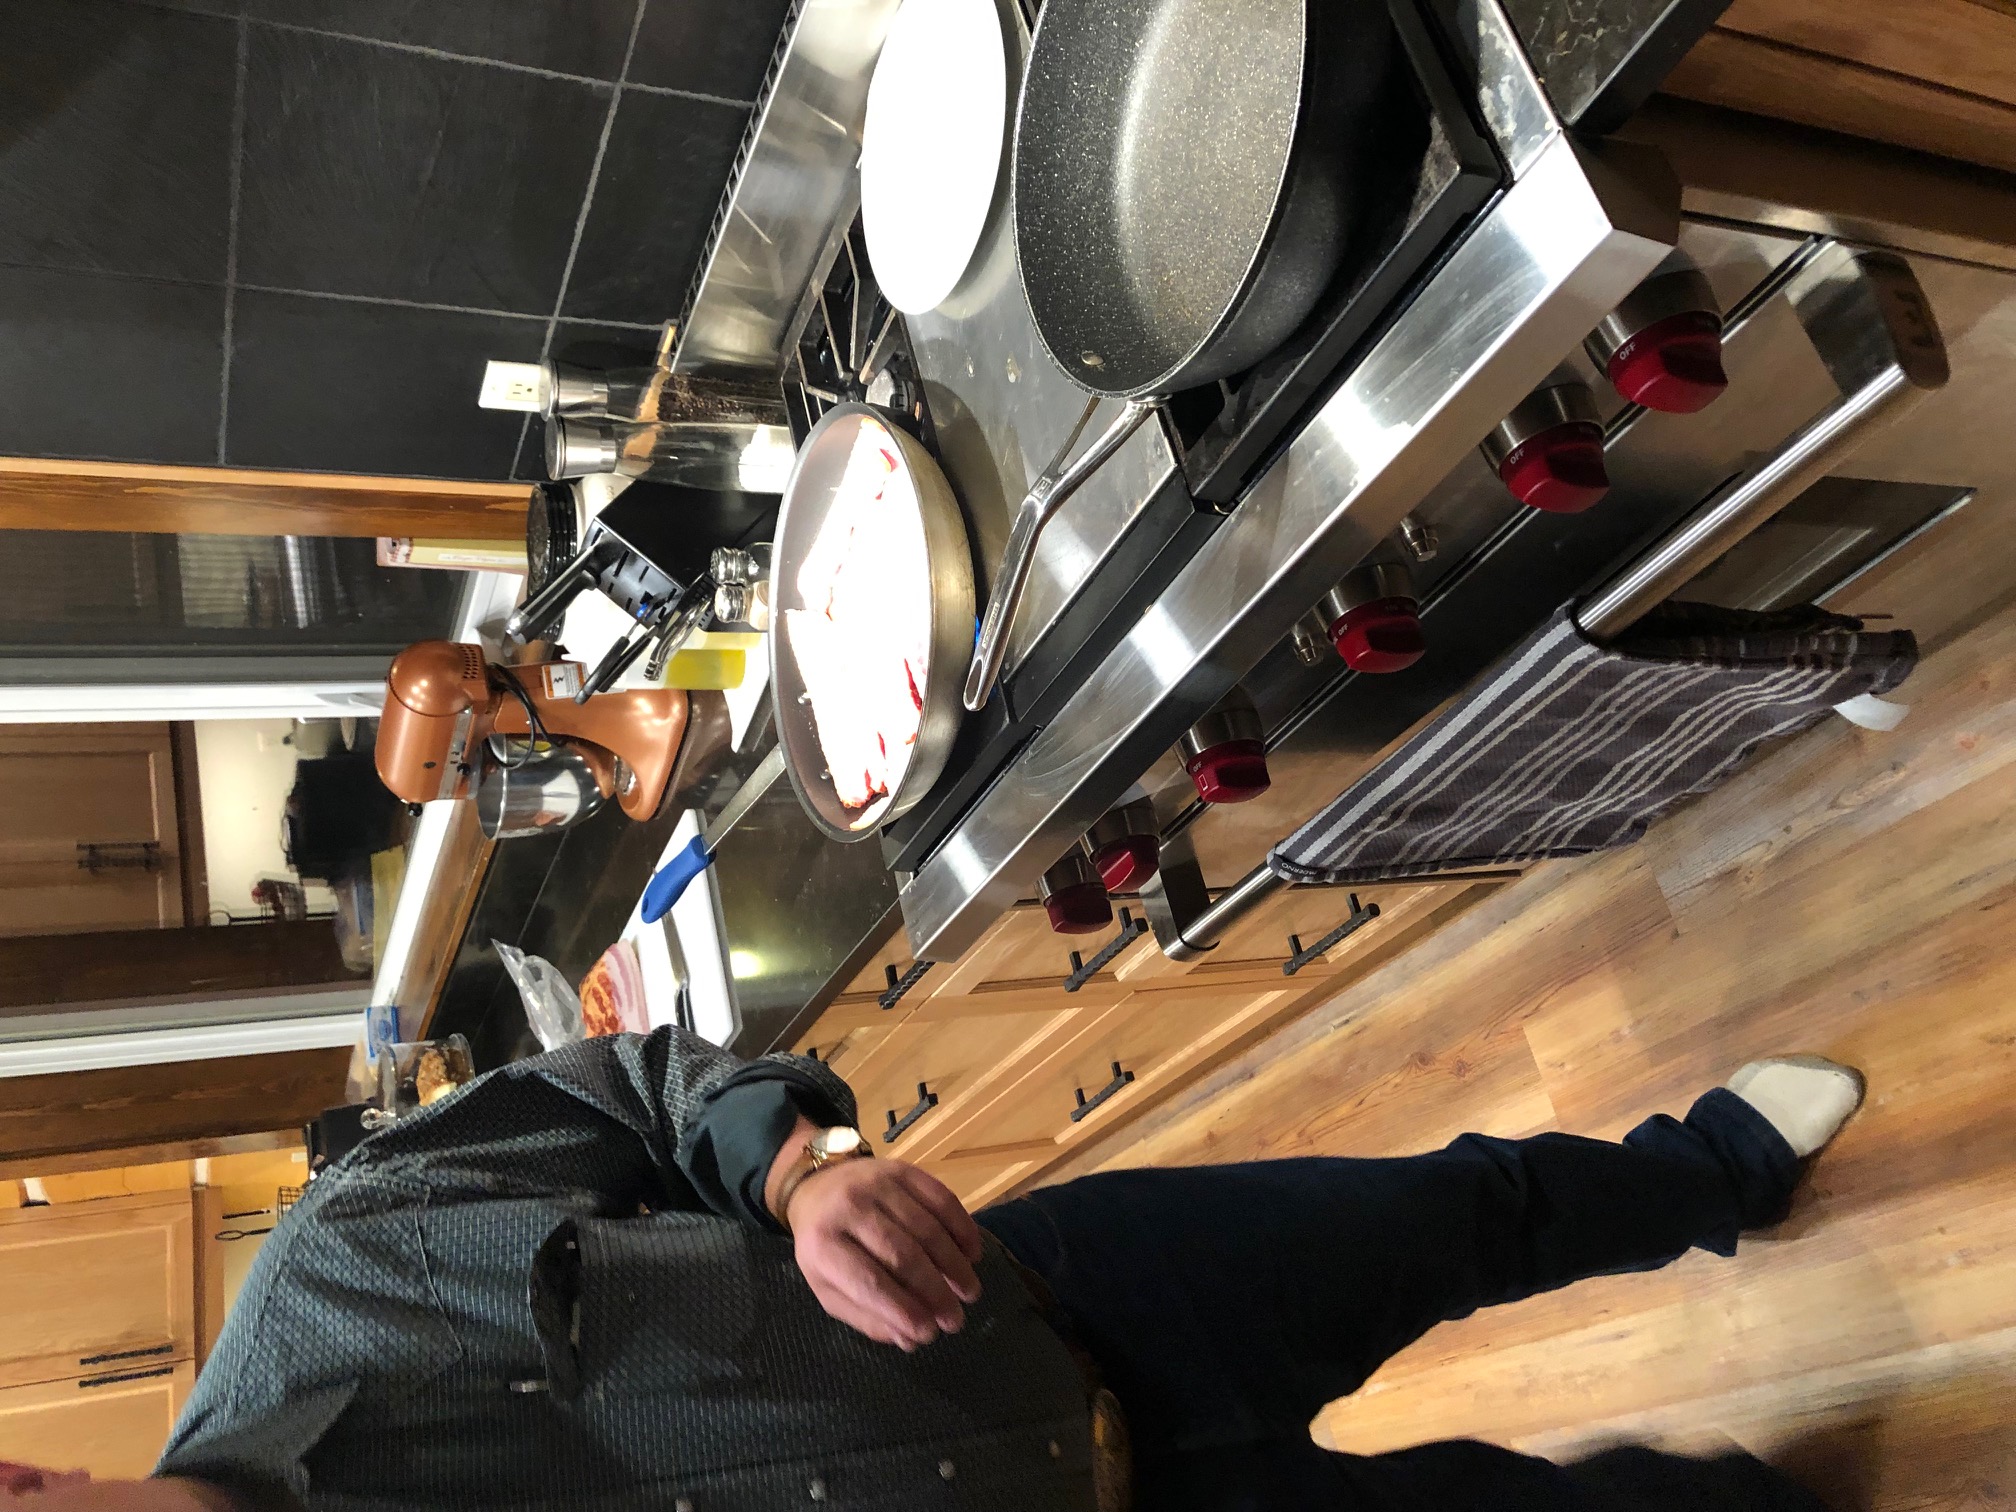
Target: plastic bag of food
x: 612, y: 994
x: 551, y: 1005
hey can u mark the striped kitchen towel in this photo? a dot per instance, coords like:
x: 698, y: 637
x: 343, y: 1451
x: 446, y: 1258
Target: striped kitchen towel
x: 1568, y: 747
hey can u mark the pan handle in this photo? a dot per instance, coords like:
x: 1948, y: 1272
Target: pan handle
x: 1046, y: 496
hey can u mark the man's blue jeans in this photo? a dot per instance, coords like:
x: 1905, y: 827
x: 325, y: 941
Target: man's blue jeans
x: 1227, y: 1304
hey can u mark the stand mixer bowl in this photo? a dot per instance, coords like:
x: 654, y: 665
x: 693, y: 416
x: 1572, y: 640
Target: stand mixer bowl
x: 534, y: 792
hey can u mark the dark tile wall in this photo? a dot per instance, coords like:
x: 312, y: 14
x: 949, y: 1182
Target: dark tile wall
x: 289, y: 233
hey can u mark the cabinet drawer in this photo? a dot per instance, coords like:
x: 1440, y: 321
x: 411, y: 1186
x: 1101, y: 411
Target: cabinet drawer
x: 978, y: 1181
x: 842, y: 1048
x: 1111, y: 1063
x: 1021, y: 953
x: 96, y: 1286
x: 1018, y: 966
x: 953, y: 1059
x: 872, y: 980
x: 1255, y: 949
x: 114, y: 1425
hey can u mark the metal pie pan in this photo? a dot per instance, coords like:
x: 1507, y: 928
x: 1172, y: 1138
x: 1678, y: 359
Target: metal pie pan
x: 809, y: 498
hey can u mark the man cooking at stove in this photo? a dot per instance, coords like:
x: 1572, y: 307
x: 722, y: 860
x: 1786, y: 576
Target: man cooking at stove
x: 638, y: 1272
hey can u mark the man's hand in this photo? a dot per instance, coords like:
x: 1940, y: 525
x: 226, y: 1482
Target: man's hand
x: 888, y: 1250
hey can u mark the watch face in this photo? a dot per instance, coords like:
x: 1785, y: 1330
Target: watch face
x: 831, y: 1142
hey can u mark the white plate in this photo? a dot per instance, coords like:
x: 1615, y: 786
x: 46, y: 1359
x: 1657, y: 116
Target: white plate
x: 931, y: 146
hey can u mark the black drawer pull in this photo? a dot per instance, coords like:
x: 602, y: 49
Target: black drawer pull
x: 1087, y: 1104
x: 125, y: 1376
x: 127, y: 1354
x: 926, y: 1101
x: 1082, y: 971
x: 1360, y: 917
x: 898, y: 985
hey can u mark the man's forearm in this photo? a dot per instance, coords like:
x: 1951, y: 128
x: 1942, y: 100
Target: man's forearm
x: 734, y: 1143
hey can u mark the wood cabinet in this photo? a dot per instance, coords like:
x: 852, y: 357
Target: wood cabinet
x: 114, y: 1424
x: 99, y: 1349
x: 1016, y: 1073
x: 943, y: 1064
x: 96, y: 1288
x: 1303, y: 918
x: 1103, y: 1062
x: 88, y: 838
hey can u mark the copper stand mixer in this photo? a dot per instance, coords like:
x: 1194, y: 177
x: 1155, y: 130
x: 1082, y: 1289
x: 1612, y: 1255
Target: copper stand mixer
x: 444, y: 703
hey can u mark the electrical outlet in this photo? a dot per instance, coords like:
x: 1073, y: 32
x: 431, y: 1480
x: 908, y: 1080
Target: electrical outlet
x: 513, y: 386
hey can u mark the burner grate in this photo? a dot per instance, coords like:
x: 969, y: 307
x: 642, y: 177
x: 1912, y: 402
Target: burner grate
x: 853, y: 348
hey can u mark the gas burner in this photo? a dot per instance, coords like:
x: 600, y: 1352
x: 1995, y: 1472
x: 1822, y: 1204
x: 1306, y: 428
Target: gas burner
x: 852, y: 348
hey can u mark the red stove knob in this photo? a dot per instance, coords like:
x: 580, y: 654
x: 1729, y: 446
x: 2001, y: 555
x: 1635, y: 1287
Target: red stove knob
x: 1381, y: 636
x: 1673, y: 365
x: 1230, y: 772
x: 1074, y: 897
x: 1125, y: 849
x: 1559, y: 470
x: 1373, y: 618
x: 1662, y: 347
x: 1083, y: 909
x: 1127, y: 862
x: 1549, y: 451
x: 1224, y: 752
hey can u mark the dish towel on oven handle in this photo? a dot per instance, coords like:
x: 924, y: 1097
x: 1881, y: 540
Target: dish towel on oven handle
x: 1568, y: 747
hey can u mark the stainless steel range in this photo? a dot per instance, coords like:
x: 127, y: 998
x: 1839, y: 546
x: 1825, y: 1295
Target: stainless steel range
x: 1299, y: 566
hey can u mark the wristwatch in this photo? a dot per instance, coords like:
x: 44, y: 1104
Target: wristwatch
x: 826, y: 1148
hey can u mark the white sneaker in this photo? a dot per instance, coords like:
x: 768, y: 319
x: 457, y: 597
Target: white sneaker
x: 1806, y: 1097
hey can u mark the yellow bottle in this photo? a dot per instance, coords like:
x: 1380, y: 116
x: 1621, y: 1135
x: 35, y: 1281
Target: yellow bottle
x: 717, y: 659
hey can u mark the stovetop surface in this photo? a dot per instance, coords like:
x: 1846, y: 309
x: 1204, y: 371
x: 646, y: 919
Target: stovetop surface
x: 999, y: 408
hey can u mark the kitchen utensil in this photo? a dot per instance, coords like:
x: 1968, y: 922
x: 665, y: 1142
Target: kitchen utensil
x: 529, y: 790
x: 555, y: 522
x: 653, y: 393
x: 736, y: 456
x: 650, y: 560
x: 931, y: 146
x: 919, y: 486
x: 809, y: 501
x: 670, y: 881
x: 1181, y: 200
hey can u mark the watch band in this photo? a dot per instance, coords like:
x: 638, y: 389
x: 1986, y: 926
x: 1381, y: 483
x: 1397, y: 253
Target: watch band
x: 810, y: 1162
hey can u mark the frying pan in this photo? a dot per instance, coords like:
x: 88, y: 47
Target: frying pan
x: 1181, y: 199
x: 810, y: 497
